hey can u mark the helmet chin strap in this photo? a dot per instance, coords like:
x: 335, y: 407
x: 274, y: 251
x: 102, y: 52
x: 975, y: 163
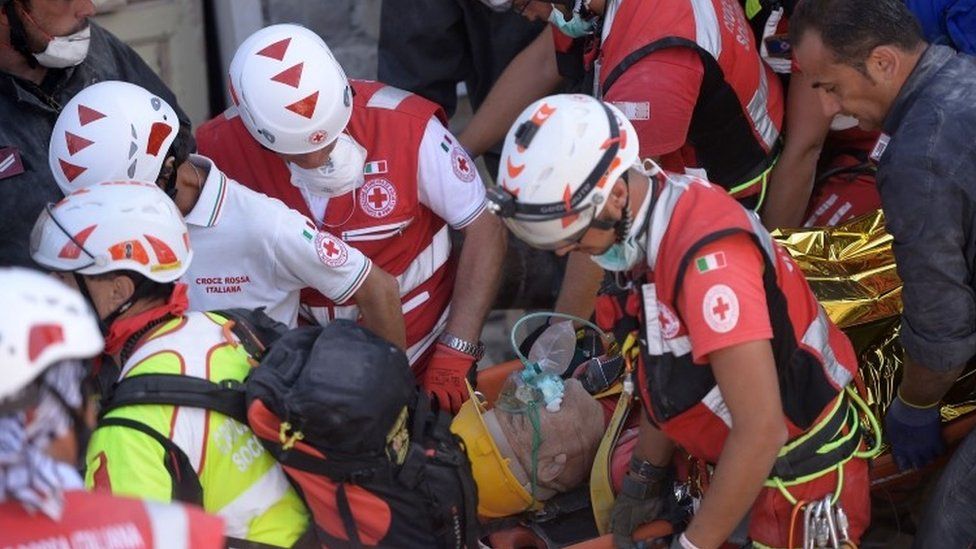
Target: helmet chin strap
x: 18, y: 34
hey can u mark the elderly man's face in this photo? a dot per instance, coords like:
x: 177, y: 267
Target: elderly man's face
x: 842, y: 88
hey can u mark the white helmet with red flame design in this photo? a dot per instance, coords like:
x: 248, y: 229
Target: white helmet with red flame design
x: 44, y: 322
x: 114, y: 226
x: 558, y: 166
x: 290, y: 91
x: 111, y: 130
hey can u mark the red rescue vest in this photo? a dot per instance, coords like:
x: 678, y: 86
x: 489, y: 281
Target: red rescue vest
x: 384, y: 218
x: 735, y: 127
x: 814, y: 360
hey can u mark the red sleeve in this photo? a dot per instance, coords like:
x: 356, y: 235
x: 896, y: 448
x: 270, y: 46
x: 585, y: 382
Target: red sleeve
x: 722, y: 300
x: 658, y: 94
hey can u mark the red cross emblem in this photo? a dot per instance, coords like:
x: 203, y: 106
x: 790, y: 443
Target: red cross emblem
x: 317, y: 137
x: 330, y: 248
x: 378, y: 197
x: 332, y: 253
x: 461, y: 165
x: 720, y: 308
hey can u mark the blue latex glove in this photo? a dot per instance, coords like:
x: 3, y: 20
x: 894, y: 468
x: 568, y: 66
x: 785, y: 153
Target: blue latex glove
x: 915, y: 434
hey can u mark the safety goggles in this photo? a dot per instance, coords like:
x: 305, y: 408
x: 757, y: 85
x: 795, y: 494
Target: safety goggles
x: 37, y: 237
x: 505, y: 204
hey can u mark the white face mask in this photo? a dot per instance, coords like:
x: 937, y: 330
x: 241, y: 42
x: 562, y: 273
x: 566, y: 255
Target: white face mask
x: 66, y: 51
x: 342, y: 173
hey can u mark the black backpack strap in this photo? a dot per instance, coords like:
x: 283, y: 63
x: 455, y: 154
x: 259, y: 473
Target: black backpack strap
x: 256, y: 330
x: 345, y: 513
x: 227, y: 397
x: 186, y: 483
x: 238, y: 543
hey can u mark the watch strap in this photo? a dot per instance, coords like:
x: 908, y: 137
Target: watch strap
x: 476, y: 350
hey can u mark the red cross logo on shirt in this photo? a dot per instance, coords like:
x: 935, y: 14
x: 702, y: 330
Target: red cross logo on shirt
x: 331, y: 253
x: 461, y: 165
x: 377, y: 198
x: 721, y: 308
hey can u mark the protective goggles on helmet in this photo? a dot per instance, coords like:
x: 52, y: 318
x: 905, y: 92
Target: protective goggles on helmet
x: 504, y: 203
x: 37, y: 237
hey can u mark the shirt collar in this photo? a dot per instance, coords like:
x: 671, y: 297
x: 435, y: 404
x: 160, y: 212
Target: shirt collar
x: 933, y: 59
x: 210, y: 204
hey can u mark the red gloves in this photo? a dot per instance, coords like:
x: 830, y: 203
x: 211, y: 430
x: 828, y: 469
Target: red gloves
x: 445, y: 376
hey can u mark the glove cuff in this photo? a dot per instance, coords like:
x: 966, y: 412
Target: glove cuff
x: 913, y: 416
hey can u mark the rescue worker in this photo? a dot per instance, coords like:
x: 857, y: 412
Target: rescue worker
x: 376, y: 167
x: 49, y: 51
x: 869, y: 60
x: 124, y: 245
x: 252, y: 251
x: 740, y: 365
x: 717, y: 109
x: 686, y: 74
x: 46, y: 330
x: 823, y: 176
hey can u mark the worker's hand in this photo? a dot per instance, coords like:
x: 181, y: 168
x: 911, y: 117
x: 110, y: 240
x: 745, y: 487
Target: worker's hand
x: 445, y: 376
x: 915, y: 434
x: 636, y: 504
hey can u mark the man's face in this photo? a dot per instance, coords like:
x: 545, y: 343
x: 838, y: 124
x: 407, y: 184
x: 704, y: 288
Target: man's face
x: 312, y: 160
x: 45, y: 19
x: 842, y: 88
x: 100, y: 288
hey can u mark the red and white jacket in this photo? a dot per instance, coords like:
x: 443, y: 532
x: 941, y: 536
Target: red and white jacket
x: 385, y: 218
x: 98, y: 519
x: 736, y: 123
x: 814, y: 360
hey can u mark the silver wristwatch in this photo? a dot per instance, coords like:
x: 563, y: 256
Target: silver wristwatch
x: 476, y: 350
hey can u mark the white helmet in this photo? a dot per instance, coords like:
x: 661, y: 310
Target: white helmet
x: 44, y: 322
x: 292, y: 94
x: 558, y: 166
x: 108, y: 131
x: 114, y: 226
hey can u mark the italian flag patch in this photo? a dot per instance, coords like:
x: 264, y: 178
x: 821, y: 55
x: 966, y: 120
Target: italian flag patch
x: 447, y: 144
x: 710, y: 262
x: 309, y: 231
x: 375, y: 167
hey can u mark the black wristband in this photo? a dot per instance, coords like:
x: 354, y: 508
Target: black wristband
x: 639, y: 489
x: 646, y: 471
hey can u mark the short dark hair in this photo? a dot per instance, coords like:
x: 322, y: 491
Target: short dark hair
x: 851, y: 29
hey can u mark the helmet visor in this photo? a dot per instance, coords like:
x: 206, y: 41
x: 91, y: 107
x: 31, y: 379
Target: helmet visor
x: 46, y: 232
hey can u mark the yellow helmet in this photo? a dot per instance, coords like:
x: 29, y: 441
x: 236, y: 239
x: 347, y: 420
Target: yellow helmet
x: 500, y: 494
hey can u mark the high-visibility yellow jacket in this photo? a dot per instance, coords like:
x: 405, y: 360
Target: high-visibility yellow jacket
x: 241, y: 481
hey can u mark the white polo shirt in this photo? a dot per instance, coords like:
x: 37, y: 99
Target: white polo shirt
x: 250, y: 250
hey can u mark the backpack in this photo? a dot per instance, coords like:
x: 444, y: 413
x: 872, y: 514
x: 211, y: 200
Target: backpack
x: 324, y: 402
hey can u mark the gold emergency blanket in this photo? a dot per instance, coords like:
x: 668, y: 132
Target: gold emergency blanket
x: 851, y: 270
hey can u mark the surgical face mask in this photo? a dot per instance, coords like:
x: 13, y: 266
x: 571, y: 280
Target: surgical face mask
x: 576, y: 27
x: 630, y: 250
x: 66, y: 51
x: 621, y: 256
x: 342, y: 173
